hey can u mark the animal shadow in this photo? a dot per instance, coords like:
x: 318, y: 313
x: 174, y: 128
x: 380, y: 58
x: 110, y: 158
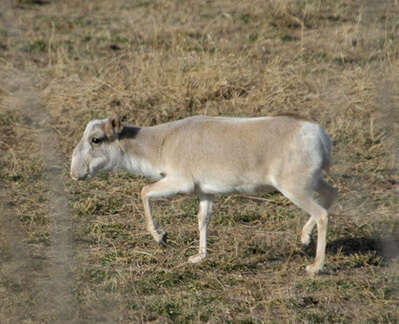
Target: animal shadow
x: 387, y: 248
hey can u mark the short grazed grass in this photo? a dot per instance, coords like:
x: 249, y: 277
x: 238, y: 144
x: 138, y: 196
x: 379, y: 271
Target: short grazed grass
x: 77, y: 252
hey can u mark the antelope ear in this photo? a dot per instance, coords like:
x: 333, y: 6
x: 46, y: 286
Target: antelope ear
x: 113, y: 127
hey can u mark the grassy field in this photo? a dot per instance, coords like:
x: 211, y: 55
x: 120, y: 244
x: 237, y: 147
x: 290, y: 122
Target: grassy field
x: 78, y: 252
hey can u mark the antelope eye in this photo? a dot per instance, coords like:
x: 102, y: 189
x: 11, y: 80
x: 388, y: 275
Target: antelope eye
x: 96, y: 140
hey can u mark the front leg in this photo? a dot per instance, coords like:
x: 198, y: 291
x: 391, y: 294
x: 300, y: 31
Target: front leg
x: 204, y: 213
x: 162, y: 188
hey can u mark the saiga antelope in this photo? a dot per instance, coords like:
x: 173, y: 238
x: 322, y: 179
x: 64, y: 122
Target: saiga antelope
x: 208, y: 156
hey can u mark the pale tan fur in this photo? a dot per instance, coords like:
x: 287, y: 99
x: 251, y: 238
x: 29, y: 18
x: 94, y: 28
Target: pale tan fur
x: 207, y: 156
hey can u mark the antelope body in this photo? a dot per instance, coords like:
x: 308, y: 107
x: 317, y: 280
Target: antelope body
x: 207, y: 156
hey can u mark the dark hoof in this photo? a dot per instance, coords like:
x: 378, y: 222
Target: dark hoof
x: 163, y: 241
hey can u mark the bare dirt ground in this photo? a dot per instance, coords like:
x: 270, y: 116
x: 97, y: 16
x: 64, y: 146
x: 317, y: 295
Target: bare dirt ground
x: 77, y: 252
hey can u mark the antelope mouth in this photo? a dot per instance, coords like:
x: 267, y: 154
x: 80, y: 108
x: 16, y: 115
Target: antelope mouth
x: 80, y: 178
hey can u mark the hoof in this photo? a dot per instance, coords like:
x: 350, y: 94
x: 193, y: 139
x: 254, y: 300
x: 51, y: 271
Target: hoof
x: 161, y: 237
x: 196, y: 258
x: 163, y: 242
x: 313, y: 270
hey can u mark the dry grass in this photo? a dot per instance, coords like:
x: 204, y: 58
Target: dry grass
x: 78, y: 253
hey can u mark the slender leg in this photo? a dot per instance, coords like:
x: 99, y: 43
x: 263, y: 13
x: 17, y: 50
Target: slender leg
x: 204, y: 213
x: 327, y: 194
x: 302, y: 197
x: 162, y: 188
x: 322, y: 224
x: 307, y: 231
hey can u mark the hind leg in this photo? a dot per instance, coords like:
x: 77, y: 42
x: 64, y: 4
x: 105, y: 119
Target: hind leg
x: 204, y: 214
x: 302, y: 196
x: 327, y: 194
x: 307, y: 231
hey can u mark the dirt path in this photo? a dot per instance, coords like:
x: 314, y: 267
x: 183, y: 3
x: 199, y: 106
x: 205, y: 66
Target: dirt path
x: 47, y: 281
x: 52, y: 288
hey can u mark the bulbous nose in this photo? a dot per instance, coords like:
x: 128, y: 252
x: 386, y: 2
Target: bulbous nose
x: 78, y: 173
x: 79, y: 169
x: 77, y: 176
